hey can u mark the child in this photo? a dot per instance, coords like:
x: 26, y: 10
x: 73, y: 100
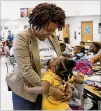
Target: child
x: 95, y: 47
x: 66, y: 52
x: 79, y: 54
x: 60, y: 70
x: 77, y: 94
x: 96, y: 58
x: 82, y: 44
x: 83, y: 65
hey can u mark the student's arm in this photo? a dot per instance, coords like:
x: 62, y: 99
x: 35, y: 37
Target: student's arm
x: 77, y: 79
x: 68, y: 92
x: 96, y: 58
x: 47, y: 81
x: 46, y: 87
x: 56, y: 93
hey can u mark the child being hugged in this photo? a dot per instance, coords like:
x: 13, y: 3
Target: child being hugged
x: 58, y: 73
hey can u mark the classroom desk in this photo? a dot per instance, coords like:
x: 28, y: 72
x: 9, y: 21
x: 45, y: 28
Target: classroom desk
x: 93, y: 93
x: 93, y: 90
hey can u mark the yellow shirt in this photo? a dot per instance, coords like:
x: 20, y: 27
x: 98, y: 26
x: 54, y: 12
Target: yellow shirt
x: 48, y: 102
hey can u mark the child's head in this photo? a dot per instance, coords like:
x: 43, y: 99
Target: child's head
x: 95, y: 47
x: 77, y: 49
x: 62, y: 67
x: 62, y: 47
x: 82, y: 44
x: 52, y: 63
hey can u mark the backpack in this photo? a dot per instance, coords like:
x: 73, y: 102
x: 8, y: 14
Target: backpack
x: 84, y: 67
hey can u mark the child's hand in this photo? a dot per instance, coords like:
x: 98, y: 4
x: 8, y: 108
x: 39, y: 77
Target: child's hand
x: 81, y: 75
x: 67, y: 89
x: 57, y: 93
x: 68, y: 92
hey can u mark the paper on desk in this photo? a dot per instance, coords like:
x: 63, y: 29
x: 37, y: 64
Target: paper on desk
x: 95, y: 78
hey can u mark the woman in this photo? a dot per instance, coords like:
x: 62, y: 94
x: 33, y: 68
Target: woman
x: 33, y: 47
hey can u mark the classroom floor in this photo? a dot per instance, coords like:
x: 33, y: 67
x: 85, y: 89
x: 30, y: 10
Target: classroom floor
x: 6, y: 96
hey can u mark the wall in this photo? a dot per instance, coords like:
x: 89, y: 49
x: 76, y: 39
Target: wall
x: 19, y: 22
x: 14, y: 25
x: 75, y: 25
x: 72, y: 8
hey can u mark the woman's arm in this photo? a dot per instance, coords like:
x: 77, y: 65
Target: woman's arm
x: 22, y: 56
x: 45, y: 87
x: 38, y: 89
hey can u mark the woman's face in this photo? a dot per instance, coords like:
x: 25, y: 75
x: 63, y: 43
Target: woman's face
x: 47, y: 30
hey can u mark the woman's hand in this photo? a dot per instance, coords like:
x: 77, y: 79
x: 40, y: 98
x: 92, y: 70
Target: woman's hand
x: 27, y: 87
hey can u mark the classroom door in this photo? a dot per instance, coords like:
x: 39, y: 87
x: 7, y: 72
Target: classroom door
x: 87, y: 31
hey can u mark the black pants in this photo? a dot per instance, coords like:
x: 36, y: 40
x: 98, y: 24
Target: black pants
x: 20, y: 103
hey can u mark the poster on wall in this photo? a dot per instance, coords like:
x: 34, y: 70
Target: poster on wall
x: 23, y: 12
x: 30, y: 11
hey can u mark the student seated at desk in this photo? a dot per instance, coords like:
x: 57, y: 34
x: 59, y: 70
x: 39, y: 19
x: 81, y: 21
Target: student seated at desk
x: 66, y: 52
x: 79, y: 54
x: 83, y: 65
x: 95, y: 48
x: 82, y: 44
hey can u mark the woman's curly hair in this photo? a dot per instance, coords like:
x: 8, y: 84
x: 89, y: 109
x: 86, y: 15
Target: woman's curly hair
x: 45, y: 13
